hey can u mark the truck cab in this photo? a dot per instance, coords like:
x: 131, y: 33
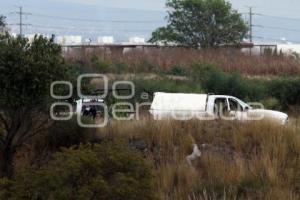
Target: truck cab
x: 228, y: 105
x: 209, y: 107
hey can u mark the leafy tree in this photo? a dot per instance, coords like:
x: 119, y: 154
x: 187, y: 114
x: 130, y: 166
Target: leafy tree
x: 26, y: 73
x: 2, y: 21
x: 101, y: 171
x: 2, y: 24
x: 205, y: 23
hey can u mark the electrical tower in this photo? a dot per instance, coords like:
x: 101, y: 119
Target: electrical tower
x: 21, y: 14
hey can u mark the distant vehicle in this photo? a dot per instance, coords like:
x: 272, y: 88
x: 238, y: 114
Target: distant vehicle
x: 180, y: 106
x: 89, y: 107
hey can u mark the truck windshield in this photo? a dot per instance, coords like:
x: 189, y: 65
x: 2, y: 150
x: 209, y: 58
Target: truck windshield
x: 243, y: 104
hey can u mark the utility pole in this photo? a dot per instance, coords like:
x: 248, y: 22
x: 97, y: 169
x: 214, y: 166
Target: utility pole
x: 251, y: 25
x: 21, y: 23
x: 21, y: 14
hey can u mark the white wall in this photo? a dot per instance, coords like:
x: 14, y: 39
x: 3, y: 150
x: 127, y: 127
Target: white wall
x: 106, y: 40
x: 137, y: 40
x: 69, y: 40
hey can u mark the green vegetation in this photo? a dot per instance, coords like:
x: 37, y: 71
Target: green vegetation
x: 205, y: 23
x: 257, y: 160
x: 286, y: 90
x: 283, y: 91
x: 146, y: 159
x: 2, y: 21
x: 214, y: 80
x: 275, y: 93
x: 101, y: 171
x: 239, y: 161
x: 164, y: 60
x: 166, y: 85
x: 64, y: 134
x: 26, y: 73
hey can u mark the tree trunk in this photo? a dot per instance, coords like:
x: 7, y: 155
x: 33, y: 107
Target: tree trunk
x: 7, y: 167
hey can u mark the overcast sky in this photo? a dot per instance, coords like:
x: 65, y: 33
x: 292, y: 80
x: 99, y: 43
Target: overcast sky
x: 48, y: 17
x: 288, y: 7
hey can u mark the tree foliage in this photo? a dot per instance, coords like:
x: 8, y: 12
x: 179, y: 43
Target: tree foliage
x: 100, y: 171
x: 26, y: 73
x: 2, y: 21
x: 205, y: 23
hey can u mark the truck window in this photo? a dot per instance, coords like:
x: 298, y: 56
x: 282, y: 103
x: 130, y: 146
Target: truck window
x: 221, y: 107
x: 234, y: 105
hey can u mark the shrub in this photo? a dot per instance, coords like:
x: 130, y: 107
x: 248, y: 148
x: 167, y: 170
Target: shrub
x: 120, y: 67
x: 145, y: 66
x: 106, y: 171
x: 166, y: 85
x: 286, y: 90
x: 271, y: 103
x: 178, y: 70
x: 6, y: 188
x: 65, y: 134
x: 101, y: 65
x: 214, y: 80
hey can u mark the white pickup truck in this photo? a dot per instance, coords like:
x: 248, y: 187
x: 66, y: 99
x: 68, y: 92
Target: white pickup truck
x: 180, y: 106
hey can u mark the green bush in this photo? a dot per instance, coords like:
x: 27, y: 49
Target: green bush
x: 271, y: 103
x: 66, y: 134
x: 179, y: 70
x: 276, y: 93
x: 214, y: 80
x: 6, y: 190
x: 106, y: 171
x: 120, y: 67
x: 166, y: 85
x: 100, y: 65
x: 145, y: 66
x: 286, y: 90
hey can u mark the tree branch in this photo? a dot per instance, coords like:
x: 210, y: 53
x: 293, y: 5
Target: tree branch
x: 5, y: 123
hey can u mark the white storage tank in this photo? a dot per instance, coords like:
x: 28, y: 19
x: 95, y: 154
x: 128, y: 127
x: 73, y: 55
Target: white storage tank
x: 289, y: 48
x: 60, y: 40
x: 73, y: 39
x: 106, y: 40
x: 137, y: 40
x: 69, y: 40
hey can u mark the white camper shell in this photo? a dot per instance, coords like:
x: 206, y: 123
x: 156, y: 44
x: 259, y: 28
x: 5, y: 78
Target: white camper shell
x: 179, y: 106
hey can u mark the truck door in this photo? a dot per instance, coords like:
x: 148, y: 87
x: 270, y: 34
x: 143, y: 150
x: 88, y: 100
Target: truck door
x: 235, y: 109
x: 221, y: 107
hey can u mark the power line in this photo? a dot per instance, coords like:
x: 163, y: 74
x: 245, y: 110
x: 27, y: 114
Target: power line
x: 275, y: 39
x: 279, y: 9
x: 277, y: 28
x: 21, y: 14
x: 251, y: 13
x: 251, y: 25
x: 283, y: 18
x: 94, y: 20
x: 85, y: 28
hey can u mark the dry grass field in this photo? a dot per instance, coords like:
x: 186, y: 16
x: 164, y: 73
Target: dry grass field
x: 157, y: 60
x: 257, y: 160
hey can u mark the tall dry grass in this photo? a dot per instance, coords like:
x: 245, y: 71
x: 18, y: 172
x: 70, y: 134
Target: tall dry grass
x: 239, y: 160
x: 157, y: 60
